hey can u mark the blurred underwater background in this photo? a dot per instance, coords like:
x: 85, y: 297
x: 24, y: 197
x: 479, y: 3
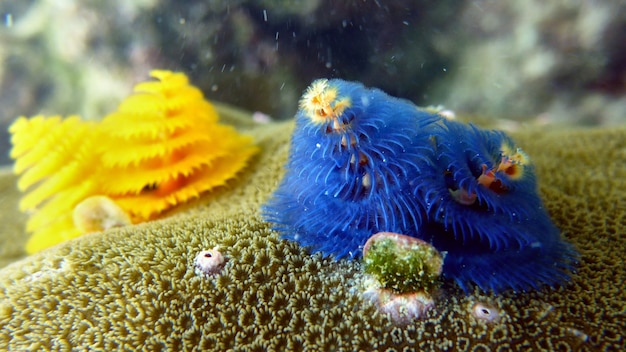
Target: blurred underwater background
x: 562, y: 62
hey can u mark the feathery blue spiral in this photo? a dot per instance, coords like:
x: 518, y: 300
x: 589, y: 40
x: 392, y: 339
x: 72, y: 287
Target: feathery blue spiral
x: 362, y: 162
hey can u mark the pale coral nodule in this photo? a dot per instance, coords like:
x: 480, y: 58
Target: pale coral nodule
x: 209, y: 262
x: 99, y: 213
x: 401, y: 308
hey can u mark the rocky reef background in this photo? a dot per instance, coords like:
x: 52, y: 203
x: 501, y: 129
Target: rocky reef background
x: 560, y: 62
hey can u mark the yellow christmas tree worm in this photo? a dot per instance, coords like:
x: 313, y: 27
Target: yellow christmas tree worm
x: 167, y: 143
x: 162, y: 147
x: 58, y: 165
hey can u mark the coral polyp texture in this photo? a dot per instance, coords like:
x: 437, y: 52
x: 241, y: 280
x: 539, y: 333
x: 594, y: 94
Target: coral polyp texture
x: 363, y: 162
x: 162, y: 147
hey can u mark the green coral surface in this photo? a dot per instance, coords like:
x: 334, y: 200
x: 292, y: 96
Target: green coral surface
x: 134, y: 288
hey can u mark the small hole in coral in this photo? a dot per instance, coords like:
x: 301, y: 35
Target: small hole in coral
x: 209, y: 262
x: 485, y: 311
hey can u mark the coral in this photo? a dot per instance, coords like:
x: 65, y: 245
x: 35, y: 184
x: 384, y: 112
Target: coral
x: 12, y: 220
x: 134, y: 288
x: 363, y: 162
x: 162, y: 147
x: 402, y: 263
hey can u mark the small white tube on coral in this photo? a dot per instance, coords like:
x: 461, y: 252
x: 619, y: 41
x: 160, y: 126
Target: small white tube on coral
x: 209, y: 262
x: 485, y: 311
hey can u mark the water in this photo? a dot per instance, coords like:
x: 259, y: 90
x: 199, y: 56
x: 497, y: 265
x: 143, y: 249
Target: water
x: 518, y: 63
x: 519, y: 66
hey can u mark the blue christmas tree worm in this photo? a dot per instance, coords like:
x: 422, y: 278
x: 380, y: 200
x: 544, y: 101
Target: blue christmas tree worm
x: 363, y: 162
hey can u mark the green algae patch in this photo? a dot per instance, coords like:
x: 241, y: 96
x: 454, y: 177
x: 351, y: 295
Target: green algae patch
x: 402, y: 263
